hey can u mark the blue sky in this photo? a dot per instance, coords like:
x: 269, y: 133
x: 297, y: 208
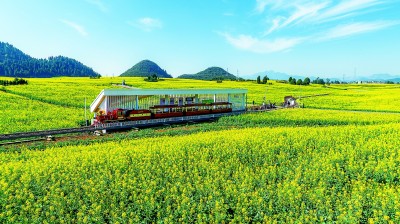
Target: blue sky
x: 323, y: 38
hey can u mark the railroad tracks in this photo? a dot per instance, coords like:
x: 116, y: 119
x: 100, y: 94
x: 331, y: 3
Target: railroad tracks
x: 109, y: 126
x: 45, y: 133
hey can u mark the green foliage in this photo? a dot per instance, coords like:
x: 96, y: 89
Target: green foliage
x: 95, y: 77
x: 16, y: 81
x: 145, y: 68
x: 152, y: 78
x: 14, y: 63
x: 258, y: 80
x: 265, y: 79
x: 299, y: 82
x: 212, y: 73
x: 306, y: 81
x: 318, y: 81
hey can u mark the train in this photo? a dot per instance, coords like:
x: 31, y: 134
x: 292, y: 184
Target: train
x: 163, y: 111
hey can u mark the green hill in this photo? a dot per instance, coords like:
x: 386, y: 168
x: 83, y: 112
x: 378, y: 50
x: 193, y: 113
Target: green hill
x: 212, y: 73
x: 15, y: 63
x: 146, y: 68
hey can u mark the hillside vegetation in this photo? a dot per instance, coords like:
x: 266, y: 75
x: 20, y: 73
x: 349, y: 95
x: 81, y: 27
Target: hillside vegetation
x: 212, y: 73
x: 146, y: 68
x: 15, y: 63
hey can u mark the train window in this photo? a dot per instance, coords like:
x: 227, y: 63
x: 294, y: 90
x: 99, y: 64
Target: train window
x: 189, y: 100
x: 180, y: 102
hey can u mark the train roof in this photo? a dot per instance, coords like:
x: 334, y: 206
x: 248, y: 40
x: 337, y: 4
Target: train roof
x: 148, y: 92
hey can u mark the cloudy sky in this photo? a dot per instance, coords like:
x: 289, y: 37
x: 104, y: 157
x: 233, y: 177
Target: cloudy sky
x: 323, y: 38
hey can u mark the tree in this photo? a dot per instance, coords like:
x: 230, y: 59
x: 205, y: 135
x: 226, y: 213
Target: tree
x: 258, y: 80
x: 290, y: 79
x: 265, y: 79
x: 299, y: 82
x: 306, y: 81
x: 152, y: 78
x: 321, y: 82
x: 328, y: 81
x: 293, y: 81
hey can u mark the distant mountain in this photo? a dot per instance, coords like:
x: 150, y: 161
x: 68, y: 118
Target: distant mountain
x: 394, y: 80
x: 379, y: 78
x: 146, y: 68
x: 283, y: 76
x: 15, y: 63
x: 212, y: 73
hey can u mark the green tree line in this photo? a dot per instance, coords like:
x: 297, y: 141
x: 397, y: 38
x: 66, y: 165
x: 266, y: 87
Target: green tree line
x: 15, y: 63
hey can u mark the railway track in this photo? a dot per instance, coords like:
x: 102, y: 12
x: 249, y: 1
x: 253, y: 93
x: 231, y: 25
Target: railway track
x: 112, y: 126
x: 44, y: 133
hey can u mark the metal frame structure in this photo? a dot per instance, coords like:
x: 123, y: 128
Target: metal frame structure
x: 110, y: 99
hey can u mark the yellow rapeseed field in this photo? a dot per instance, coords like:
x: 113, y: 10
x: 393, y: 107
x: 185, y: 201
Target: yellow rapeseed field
x: 286, y: 174
x: 332, y: 161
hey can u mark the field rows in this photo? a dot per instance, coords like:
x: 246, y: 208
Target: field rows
x: 67, y: 95
x: 22, y: 114
x: 303, y: 174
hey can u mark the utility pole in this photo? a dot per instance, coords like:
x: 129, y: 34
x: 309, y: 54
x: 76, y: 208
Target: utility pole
x: 355, y: 74
x: 86, y: 121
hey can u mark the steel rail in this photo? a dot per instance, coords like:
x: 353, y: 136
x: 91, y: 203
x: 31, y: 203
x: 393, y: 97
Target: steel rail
x: 116, y: 126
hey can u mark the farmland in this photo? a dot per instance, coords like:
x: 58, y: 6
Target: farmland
x: 62, y: 99
x: 338, y: 164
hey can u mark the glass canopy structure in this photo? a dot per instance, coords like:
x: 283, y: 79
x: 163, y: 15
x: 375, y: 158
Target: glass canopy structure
x: 135, y: 99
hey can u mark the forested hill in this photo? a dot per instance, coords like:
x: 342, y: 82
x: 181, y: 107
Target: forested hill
x: 146, y: 68
x: 212, y: 73
x: 15, y: 63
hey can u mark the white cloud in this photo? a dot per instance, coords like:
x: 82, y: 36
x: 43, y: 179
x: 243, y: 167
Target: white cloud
x: 249, y: 43
x: 275, y: 25
x: 80, y: 29
x: 355, y: 28
x: 147, y: 24
x: 99, y: 4
x: 317, y: 18
x: 305, y: 11
x: 261, y: 4
x: 346, y: 7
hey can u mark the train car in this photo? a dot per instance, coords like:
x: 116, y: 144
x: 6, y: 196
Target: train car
x: 135, y: 115
x: 221, y: 107
x: 123, y: 115
x: 196, y: 109
x: 117, y: 105
x: 164, y: 111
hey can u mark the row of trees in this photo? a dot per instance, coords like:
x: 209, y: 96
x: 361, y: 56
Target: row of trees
x: 293, y: 81
x: 264, y: 80
x: 16, y: 81
x: 307, y: 81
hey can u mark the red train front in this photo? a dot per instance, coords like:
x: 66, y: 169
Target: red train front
x: 163, y: 111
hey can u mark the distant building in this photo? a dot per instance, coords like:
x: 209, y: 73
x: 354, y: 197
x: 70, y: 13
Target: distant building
x: 289, y: 101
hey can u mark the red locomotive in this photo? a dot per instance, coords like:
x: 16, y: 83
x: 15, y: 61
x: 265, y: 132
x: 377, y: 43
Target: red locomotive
x: 164, y: 111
